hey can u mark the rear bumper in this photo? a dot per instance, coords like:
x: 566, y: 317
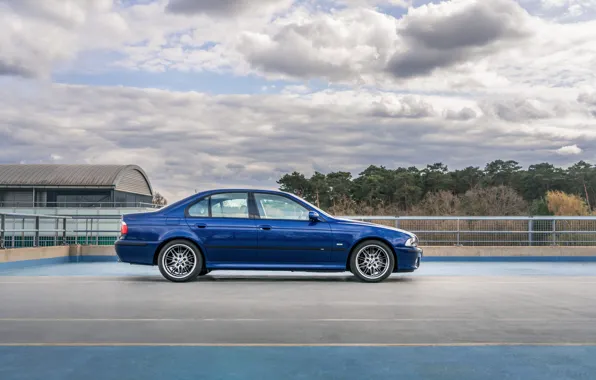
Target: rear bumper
x: 408, y: 259
x: 135, y: 252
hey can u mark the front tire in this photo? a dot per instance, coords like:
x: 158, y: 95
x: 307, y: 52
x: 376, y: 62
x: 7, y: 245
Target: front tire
x: 180, y: 261
x: 372, y: 261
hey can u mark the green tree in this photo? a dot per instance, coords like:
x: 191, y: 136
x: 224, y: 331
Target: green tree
x: 466, y: 179
x: 436, y: 178
x: 319, y: 190
x: 295, y: 183
x: 502, y: 173
x: 340, y: 186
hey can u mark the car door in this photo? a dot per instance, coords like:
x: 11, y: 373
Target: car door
x: 287, y: 236
x: 225, y: 228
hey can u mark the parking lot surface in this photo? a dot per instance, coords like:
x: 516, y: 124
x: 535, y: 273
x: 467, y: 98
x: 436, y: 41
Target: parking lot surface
x: 448, y: 320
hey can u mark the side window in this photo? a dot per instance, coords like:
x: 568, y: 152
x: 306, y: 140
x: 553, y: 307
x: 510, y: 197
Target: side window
x: 200, y: 209
x: 273, y: 206
x: 229, y: 205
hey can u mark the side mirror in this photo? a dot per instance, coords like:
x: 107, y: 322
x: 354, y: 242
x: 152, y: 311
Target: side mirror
x: 313, y: 216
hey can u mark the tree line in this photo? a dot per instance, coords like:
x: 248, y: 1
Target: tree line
x: 500, y: 188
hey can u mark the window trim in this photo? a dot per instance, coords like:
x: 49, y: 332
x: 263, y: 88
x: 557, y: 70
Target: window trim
x: 258, y: 214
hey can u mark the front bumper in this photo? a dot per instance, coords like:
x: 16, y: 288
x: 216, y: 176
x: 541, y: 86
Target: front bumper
x: 408, y: 258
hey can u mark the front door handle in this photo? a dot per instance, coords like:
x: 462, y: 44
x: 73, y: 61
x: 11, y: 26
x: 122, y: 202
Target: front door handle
x: 265, y: 227
x: 201, y: 225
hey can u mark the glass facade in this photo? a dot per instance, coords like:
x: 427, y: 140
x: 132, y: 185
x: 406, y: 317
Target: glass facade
x: 71, y: 198
x: 122, y: 199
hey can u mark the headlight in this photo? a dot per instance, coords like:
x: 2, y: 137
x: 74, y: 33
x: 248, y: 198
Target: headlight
x: 412, y: 242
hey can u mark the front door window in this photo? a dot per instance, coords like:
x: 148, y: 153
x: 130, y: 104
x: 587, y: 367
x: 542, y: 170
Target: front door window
x: 278, y: 207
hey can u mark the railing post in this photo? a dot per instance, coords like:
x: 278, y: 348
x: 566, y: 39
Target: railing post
x: 14, y: 226
x: 2, y: 225
x: 530, y: 229
x: 458, y: 233
x: 56, y: 224
x: 554, y: 232
x: 64, y: 231
x: 397, y: 222
x: 36, y: 239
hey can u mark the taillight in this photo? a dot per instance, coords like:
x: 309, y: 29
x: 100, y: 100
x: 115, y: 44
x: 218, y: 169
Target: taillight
x: 123, y: 228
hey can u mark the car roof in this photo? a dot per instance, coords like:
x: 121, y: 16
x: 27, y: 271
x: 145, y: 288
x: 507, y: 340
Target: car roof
x: 236, y: 190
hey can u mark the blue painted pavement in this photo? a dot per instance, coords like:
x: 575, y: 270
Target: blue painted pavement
x: 287, y: 363
x: 427, y: 269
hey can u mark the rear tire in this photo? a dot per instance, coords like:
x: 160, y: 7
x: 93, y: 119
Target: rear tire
x: 372, y: 261
x: 180, y: 261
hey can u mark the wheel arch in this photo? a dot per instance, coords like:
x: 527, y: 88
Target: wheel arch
x: 370, y: 238
x: 166, y: 241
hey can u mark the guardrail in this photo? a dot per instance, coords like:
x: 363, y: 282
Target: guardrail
x: 11, y: 204
x: 33, y: 230
x: 35, y: 235
x: 494, y: 230
x: 26, y: 230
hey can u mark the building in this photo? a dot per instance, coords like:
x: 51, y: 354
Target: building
x: 74, y: 186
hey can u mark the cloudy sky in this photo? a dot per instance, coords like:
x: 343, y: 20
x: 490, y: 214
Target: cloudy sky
x: 205, y: 93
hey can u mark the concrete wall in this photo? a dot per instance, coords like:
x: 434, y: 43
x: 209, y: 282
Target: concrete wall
x: 25, y: 257
x: 91, y: 250
x: 38, y: 253
x: 77, y: 253
x: 509, y: 251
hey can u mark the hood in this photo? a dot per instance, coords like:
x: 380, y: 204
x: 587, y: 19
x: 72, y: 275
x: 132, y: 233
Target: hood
x: 361, y: 223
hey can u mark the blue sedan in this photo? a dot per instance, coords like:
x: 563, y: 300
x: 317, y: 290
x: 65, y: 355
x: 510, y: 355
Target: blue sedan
x: 261, y: 230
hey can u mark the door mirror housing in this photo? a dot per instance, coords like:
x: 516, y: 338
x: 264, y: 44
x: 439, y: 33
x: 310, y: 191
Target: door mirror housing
x: 313, y: 216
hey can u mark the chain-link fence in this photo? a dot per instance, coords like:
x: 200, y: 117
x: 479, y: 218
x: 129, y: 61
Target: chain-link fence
x: 494, y: 231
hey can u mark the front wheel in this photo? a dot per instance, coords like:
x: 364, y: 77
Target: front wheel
x: 372, y: 261
x: 180, y: 261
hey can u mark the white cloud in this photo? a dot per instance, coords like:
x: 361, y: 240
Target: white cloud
x: 37, y: 36
x: 569, y: 150
x: 461, y: 81
x: 569, y: 10
x: 457, y: 45
x: 339, y: 46
x: 188, y: 140
x: 226, y: 8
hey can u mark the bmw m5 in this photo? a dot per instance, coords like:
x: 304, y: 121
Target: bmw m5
x: 261, y: 230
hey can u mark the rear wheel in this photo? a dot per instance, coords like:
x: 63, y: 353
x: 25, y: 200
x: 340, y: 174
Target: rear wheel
x: 180, y: 261
x: 372, y: 261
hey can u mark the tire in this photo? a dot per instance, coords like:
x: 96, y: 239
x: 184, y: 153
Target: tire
x: 181, y: 253
x: 376, y: 259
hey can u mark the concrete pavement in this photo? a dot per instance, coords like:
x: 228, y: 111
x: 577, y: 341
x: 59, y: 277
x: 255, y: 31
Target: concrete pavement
x: 490, y: 320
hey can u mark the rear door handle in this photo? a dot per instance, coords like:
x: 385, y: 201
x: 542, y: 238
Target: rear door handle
x: 201, y: 225
x: 265, y: 227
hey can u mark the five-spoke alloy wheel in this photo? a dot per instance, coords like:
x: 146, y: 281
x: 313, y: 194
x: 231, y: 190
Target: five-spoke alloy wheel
x: 372, y: 261
x: 180, y: 261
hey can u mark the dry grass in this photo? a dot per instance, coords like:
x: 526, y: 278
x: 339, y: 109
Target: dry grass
x: 562, y: 204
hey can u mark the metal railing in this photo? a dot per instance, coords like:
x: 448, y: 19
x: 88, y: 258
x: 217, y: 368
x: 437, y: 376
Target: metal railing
x: 26, y: 230
x: 23, y: 234
x: 15, y: 204
x: 38, y: 230
x: 494, y: 231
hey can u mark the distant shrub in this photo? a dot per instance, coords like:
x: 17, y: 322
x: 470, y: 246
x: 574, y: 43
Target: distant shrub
x: 563, y: 204
x: 440, y: 203
x: 493, y: 201
x: 540, y: 207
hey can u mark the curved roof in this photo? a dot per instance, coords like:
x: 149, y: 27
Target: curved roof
x: 69, y: 175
